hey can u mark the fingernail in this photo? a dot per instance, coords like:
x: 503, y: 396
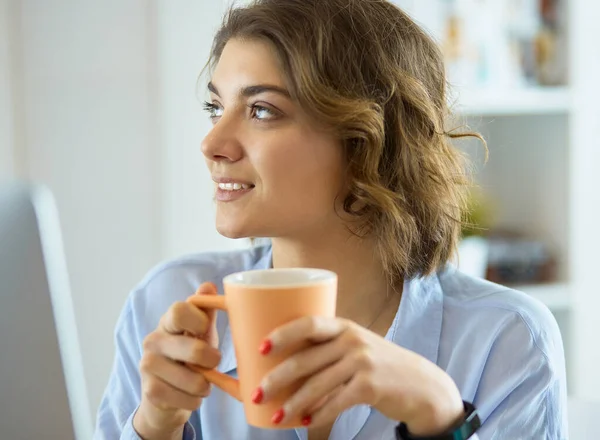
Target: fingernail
x: 278, y: 416
x: 257, y: 395
x: 265, y: 346
x: 306, y: 420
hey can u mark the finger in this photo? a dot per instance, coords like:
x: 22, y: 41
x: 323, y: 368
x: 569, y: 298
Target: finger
x: 321, y: 402
x: 164, y: 396
x: 307, y: 416
x: 182, y: 318
x: 354, y: 393
x: 183, y: 349
x: 211, y: 334
x: 175, y: 374
x: 314, y: 329
x: 208, y: 289
x: 302, y: 364
x: 317, y: 388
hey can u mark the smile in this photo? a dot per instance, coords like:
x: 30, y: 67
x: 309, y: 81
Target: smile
x: 233, y: 186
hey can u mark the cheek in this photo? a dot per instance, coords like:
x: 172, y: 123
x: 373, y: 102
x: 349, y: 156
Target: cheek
x: 304, y: 172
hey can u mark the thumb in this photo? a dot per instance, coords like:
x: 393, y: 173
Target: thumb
x: 212, y: 337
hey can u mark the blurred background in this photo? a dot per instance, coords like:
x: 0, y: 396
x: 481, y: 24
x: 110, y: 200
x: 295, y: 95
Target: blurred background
x: 99, y: 100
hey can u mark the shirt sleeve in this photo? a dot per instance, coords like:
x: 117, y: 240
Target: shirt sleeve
x: 522, y: 391
x: 123, y: 392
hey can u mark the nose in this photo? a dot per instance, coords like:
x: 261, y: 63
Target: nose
x: 221, y: 143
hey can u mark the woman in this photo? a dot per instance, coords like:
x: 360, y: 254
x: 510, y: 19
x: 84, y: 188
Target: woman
x: 328, y: 138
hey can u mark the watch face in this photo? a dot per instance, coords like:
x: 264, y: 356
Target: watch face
x: 471, y: 425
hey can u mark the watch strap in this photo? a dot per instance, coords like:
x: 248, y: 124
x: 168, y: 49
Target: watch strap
x: 467, y: 427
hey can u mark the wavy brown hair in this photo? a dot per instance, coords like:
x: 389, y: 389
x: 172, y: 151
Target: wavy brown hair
x: 365, y: 70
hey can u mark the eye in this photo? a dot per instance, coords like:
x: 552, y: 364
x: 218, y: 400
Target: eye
x: 213, y: 110
x: 262, y: 113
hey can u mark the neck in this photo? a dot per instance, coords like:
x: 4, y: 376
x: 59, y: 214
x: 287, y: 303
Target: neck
x: 363, y: 289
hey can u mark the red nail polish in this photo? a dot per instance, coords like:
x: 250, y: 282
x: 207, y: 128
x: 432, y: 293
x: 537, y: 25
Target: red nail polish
x: 306, y: 420
x: 278, y: 416
x: 265, y: 346
x: 257, y: 395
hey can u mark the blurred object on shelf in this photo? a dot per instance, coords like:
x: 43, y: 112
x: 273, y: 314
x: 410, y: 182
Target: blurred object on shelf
x: 497, y: 43
x: 514, y: 259
x: 462, y: 50
x: 479, y: 214
x: 472, y: 257
x: 473, y: 249
x: 551, y: 44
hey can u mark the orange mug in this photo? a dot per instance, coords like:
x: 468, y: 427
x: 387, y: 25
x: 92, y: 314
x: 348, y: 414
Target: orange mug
x: 259, y: 301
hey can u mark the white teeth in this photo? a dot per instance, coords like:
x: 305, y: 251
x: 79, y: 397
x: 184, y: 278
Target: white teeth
x: 232, y: 186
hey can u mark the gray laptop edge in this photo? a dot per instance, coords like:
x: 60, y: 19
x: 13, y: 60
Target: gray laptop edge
x: 42, y: 385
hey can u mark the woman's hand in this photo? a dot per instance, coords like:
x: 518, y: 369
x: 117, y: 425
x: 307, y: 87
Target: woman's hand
x: 350, y: 365
x: 171, y: 390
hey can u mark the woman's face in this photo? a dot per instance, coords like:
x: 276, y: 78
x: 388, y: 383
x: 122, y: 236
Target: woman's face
x: 276, y: 174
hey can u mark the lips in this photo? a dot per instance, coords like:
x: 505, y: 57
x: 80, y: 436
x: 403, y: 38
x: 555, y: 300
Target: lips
x: 230, y: 180
x: 230, y: 189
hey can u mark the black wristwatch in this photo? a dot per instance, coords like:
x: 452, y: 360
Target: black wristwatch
x: 465, y: 430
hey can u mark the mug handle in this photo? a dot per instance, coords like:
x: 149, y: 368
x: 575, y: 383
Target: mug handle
x: 226, y: 383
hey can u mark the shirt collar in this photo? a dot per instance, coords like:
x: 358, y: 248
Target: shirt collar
x: 418, y: 322
x: 417, y: 325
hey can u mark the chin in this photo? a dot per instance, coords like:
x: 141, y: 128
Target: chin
x: 233, y: 231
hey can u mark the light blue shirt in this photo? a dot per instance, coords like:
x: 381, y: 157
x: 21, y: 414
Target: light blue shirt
x: 502, y: 348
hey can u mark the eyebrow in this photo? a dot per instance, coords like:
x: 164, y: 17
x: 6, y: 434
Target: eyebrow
x: 249, y: 91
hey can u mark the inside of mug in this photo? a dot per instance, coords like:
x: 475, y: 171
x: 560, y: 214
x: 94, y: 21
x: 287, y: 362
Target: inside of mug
x: 280, y: 277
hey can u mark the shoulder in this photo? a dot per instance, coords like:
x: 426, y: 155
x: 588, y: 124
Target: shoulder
x: 507, y: 341
x: 174, y: 280
x: 491, y: 308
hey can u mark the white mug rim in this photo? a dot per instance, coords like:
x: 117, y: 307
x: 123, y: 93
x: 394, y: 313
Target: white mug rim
x: 324, y: 276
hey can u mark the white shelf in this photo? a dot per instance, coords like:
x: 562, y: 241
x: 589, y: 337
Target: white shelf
x: 518, y: 101
x: 555, y: 296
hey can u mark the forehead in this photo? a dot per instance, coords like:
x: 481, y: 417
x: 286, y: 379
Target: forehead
x: 245, y: 62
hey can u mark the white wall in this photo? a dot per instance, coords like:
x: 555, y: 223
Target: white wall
x: 98, y: 100
x: 7, y: 165
x: 185, y: 32
x: 87, y: 130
